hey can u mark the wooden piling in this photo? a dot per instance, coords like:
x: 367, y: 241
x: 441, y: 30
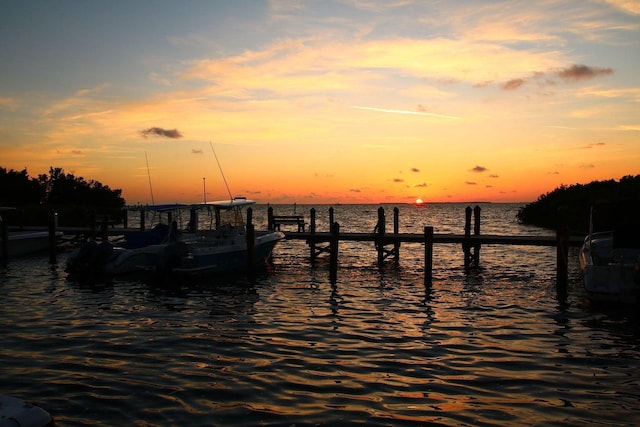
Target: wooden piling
x: 4, y: 229
x: 193, y: 220
x: 251, y: 242
x: 52, y: 236
x: 428, y: 256
x: 466, y: 246
x: 143, y: 217
x: 270, y: 222
x: 562, y: 254
x: 396, y: 230
x: 476, y: 232
x: 380, y: 230
x: 312, y: 240
x: 333, y: 252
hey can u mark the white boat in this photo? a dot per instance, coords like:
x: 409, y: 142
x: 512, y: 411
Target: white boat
x: 16, y: 412
x: 22, y: 243
x: 223, y: 247
x: 610, y: 263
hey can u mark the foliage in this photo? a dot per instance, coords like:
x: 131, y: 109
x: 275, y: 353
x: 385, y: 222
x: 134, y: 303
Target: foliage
x: 578, y: 199
x: 73, y: 198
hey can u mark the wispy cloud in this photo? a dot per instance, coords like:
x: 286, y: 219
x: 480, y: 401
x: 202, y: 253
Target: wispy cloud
x: 409, y: 112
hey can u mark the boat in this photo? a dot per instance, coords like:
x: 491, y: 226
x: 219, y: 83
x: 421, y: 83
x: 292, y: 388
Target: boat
x: 16, y: 412
x: 225, y: 246
x: 610, y: 262
x: 24, y: 243
x: 221, y: 248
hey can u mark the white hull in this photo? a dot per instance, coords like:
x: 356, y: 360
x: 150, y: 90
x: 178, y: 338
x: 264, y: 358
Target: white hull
x: 23, y: 243
x: 610, y: 274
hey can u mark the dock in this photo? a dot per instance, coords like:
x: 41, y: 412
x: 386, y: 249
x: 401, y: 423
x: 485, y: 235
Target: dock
x: 388, y: 244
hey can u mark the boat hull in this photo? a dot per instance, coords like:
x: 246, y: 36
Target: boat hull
x: 23, y: 243
x: 610, y: 274
x: 204, y: 258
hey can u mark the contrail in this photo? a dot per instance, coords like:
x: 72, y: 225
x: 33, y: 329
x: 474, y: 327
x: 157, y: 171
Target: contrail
x: 419, y: 113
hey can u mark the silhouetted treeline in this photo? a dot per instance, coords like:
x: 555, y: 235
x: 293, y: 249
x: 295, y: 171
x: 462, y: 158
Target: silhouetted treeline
x: 75, y: 199
x: 578, y: 200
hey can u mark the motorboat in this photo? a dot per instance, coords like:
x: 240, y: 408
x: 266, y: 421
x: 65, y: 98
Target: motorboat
x: 610, y: 263
x: 227, y: 245
x: 24, y: 243
x: 223, y: 246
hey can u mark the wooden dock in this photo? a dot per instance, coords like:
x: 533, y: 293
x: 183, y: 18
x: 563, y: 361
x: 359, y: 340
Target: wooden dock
x: 388, y: 244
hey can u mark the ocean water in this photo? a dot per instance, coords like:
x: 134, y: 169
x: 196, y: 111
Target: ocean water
x: 490, y: 347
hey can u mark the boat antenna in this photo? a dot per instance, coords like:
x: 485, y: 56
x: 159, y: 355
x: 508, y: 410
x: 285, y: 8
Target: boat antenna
x: 221, y: 172
x: 149, y: 175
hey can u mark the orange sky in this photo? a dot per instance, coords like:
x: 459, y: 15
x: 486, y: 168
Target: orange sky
x: 332, y: 102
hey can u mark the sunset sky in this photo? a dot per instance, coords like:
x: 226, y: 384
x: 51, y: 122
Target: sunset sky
x: 332, y: 101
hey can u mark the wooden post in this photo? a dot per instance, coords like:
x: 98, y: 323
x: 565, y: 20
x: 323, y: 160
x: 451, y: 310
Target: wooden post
x: 396, y: 228
x: 312, y: 232
x: 476, y: 232
x: 380, y: 228
x: 333, y: 253
x: 92, y: 223
x: 193, y: 220
x: 562, y: 254
x: 466, y: 246
x: 5, y: 238
x: 142, y: 218
x: 52, y: 236
x: 251, y: 242
x: 270, y: 224
x: 125, y: 218
x: 428, y: 256
x: 330, y: 218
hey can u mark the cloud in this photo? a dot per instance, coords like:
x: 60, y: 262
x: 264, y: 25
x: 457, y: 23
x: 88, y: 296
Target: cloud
x: 422, y: 185
x: 479, y: 169
x: 513, y: 84
x: 394, y: 111
x: 398, y: 180
x: 415, y: 170
x: 582, y: 72
x: 156, y: 131
x: 196, y: 150
x: 629, y: 6
x: 471, y: 183
x: 493, y: 176
x: 355, y: 190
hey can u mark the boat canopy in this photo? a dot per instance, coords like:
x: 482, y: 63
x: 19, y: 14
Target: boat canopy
x: 159, y: 208
x: 237, y: 202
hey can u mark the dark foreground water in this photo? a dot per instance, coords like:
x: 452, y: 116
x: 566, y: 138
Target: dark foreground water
x: 492, y: 347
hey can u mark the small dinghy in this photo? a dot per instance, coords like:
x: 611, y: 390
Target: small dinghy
x: 16, y: 412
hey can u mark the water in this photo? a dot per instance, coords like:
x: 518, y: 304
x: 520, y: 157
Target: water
x: 492, y: 347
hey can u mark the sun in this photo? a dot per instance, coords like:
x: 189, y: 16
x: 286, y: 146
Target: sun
x: 419, y: 202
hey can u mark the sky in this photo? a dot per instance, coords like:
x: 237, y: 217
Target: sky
x: 332, y: 101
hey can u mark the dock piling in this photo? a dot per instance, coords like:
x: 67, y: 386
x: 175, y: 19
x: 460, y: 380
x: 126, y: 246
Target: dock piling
x: 52, y: 236
x: 5, y: 238
x: 562, y: 253
x: 251, y: 242
x: 333, y: 252
x: 428, y: 256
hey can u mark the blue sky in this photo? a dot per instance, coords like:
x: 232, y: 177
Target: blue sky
x: 324, y: 101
